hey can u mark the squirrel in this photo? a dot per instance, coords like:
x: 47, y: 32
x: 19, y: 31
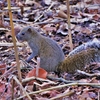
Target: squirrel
x: 50, y: 53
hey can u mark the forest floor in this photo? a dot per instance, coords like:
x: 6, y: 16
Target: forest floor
x: 50, y: 18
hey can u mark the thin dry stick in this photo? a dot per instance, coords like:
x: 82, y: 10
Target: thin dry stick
x: 14, y: 77
x: 62, y: 95
x: 98, y: 95
x: 48, y: 89
x: 38, y: 65
x: 11, y: 44
x: 61, y: 86
x: 14, y: 41
x: 37, y: 78
x: 69, y: 26
x: 7, y: 72
x: 88, y: 74
x: 13, y: 82
x: 44, y: 12
x: 22, y: 9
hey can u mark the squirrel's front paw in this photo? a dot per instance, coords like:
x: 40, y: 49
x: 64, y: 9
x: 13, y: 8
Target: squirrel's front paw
x: 28, y: 60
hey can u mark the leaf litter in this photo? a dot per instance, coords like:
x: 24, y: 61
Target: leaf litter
x: 50, y: 18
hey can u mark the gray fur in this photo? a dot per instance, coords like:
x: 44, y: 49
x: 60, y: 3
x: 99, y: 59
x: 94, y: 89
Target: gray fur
x: 91, y: 44
x: 50, y: 53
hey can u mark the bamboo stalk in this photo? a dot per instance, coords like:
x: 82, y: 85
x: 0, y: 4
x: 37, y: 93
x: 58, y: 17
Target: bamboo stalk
x: 69, y: 25
x: 14, y: 41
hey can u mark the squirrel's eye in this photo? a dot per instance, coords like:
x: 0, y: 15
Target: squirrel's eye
x: 22, y: 33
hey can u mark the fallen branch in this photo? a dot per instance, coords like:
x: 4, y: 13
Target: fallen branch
x: 62, y: 95
x: 55, y: 21
x: 61, y: 86
x: 36, y: 78
x: 88, y: 74
x: 44, y: 12
x: 69, y: 26
x: 16, y: 20
x: 27, y: 64
x: 48, y: 89
x: 96, y: 85
x: 11, y: 44
x: 8, y: 72
x: 18, y: 82
x: 61, y: 80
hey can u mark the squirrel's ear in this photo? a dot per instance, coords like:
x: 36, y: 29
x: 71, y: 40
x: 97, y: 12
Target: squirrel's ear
x: 29, y: 29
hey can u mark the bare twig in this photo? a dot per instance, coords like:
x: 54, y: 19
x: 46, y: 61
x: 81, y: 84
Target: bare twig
x: 13, y: 82
x: 14, y: 41
x: 88, y: 74
x: 61, y: 80
x: 48, y: 89
x: 38, y: 65
x: 16, y: 20
x: 69, y: 25
x: 7, y: 72
x: 36, y: 78
x: 62, y: 95
x: 27, y: 64
x: 61, y: 86
x: 44, y: 12
x: 55, y: 21
x: 18, y: 82
x: 11, y: 44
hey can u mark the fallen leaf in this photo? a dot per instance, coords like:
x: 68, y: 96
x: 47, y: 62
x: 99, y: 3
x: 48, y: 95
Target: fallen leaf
x: 2, y: 68
x: 96, y: 1
x: 96, y: 17
x: 2, y: 87
x: 41, y: 74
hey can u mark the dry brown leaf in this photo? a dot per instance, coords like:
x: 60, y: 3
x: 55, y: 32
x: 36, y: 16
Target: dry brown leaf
x: 41, y: 74
x: 96, y: 17
x: 2, y: 68
x: 96, y: 1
